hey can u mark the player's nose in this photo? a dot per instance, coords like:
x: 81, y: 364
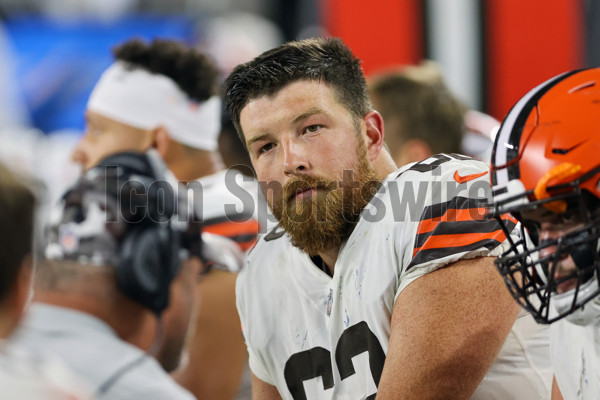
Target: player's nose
x: 295, y: 158
x: 548, y: 235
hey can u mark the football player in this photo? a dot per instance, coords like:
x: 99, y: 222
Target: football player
x: 545, y: 172
x: 162, y: 95
x: 377, y: 280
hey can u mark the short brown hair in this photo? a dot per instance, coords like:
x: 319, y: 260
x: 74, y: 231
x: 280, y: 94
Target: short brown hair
x: 193, y: 72
x: 17, y: 209
x: 326, y: 60
x: 416, y: 102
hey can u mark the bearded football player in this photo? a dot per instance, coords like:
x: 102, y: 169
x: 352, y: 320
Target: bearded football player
x: 546, y: 173
x: 377, y: 280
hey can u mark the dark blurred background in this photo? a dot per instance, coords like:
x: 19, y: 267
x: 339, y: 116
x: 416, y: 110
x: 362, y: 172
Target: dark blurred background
x: 489, y: 51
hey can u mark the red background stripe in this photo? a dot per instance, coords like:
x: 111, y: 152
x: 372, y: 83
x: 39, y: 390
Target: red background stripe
x: 381, y: 33
x: 527, y: 42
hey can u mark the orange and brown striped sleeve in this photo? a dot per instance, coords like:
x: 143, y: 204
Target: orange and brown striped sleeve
x: 456, y: 226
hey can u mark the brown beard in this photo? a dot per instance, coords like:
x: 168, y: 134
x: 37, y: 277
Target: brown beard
x: 326, y: 219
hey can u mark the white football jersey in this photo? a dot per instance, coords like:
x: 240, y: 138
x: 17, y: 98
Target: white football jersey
x: 576, y: 359
x: 319, y: 337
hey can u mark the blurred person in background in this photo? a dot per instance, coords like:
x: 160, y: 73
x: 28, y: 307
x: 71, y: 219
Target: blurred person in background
x: 546, y: 172
x: 23, y: 376
x: 422, y: 117
x: 481, y: 130
x: 236, y: 37
x: 17, y: 207
x: 162, y: 95
x: 116, y: 282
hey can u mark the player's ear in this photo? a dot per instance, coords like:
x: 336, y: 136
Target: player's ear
x: 161, y: 140
x: 374, y: 133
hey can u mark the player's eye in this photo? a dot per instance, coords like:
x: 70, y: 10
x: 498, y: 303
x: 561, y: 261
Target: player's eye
x: 570, y: 217
x: 312, y: 128
x: 266, y: 148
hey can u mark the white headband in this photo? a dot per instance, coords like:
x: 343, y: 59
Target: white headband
x: 145, y: 100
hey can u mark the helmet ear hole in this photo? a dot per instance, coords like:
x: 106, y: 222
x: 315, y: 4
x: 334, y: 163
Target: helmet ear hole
x: 146, y: 266
x: 123, y: 213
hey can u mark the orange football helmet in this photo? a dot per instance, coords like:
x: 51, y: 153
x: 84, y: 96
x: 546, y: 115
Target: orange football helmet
x: 546, y: 161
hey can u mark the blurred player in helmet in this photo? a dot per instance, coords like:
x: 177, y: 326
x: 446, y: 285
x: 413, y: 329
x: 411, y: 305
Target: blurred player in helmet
x: 545, y: 172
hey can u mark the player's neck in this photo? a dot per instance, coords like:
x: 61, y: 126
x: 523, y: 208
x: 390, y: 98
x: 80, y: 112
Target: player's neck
x: 329, y: 258
x: 384, y: 165
x: 131, y: 321
x: 187, y: 169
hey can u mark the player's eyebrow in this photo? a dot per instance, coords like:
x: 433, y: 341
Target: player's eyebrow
x: 255, y: 139
x: 301, y: 117
x: 308, y: 113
